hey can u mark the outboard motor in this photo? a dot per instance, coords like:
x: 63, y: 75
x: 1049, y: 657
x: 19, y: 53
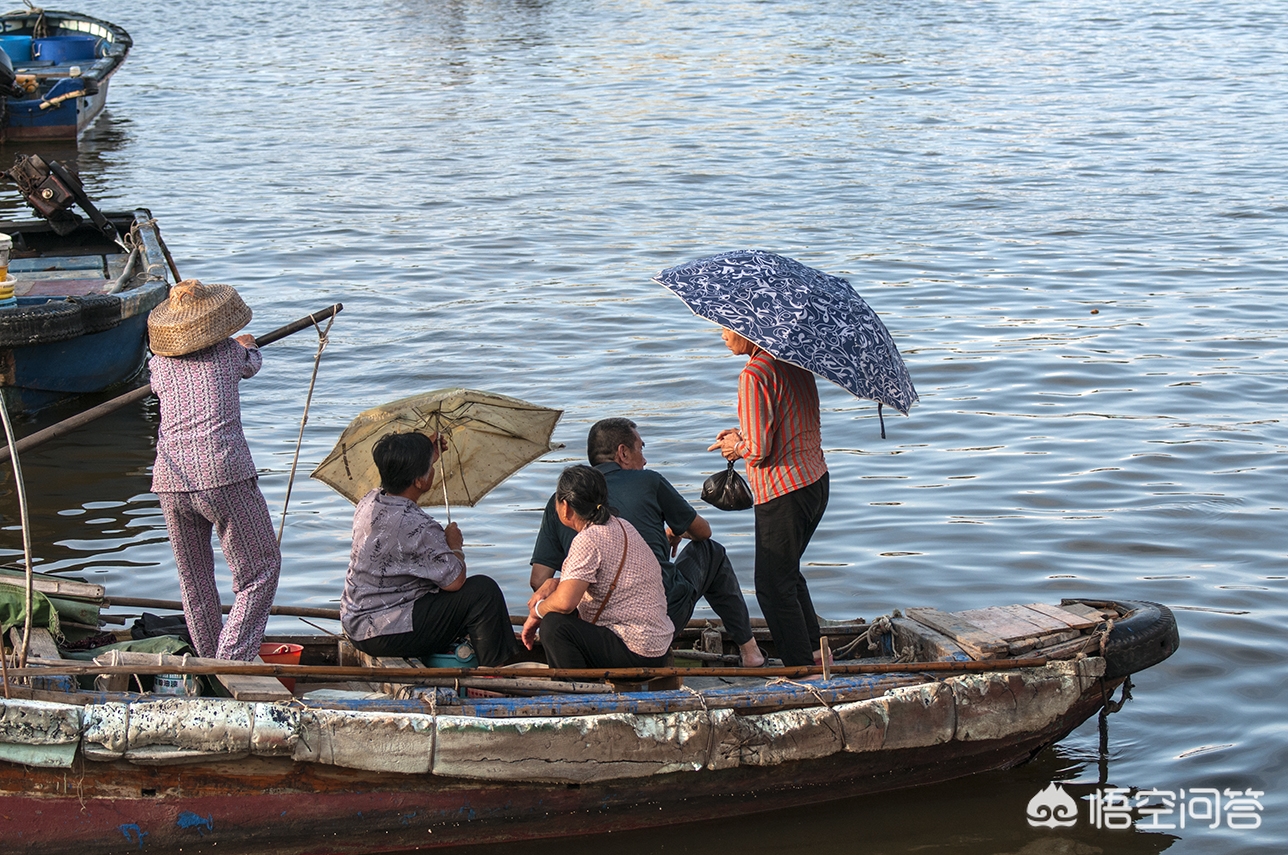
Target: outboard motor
x: 51, y: 189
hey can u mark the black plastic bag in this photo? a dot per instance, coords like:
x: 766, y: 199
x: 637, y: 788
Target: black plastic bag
x: 152, y: 626
x: 727, y: 491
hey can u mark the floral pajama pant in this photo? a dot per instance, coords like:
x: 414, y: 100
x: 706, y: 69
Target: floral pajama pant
x: 239, y: 515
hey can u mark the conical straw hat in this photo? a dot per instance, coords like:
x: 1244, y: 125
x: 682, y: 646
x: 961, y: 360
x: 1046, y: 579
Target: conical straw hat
x: 195, y: 317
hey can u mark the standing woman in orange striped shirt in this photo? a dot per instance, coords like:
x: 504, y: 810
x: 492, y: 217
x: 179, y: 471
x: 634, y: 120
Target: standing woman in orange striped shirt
x: 779, y: 439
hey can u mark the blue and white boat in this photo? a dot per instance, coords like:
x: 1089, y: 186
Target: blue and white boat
x: 74, y: 306
x: 54, y: 72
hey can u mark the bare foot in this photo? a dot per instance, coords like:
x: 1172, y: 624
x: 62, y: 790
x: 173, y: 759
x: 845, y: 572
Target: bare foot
x: 751, y: 654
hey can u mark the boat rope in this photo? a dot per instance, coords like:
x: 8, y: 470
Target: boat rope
x: 40, y: 29
x: 323, y: 340
x: 430, y: 699
x: 711, y: 725
x: 132, y: 240
x: 1110, y: 706
x: 813, y: 690
x: 4, y: 669
x: 872, y: 635
x: 58, y: 99
x: 21, y: 490
x: 786, y: 681
x: 1104, y: 635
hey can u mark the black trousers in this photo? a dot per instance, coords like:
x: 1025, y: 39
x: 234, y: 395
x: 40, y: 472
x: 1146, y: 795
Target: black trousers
x: 705, y: 564
x: 784, y: 527
x: 477, y: 608
x: 570, y: 642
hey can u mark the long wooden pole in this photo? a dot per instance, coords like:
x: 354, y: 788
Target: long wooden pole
x: 68, y: 425
x: 334, y: 614
x: 46, y: 667
x: 176, y: 606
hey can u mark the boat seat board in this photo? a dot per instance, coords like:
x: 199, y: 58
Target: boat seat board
x: 1074, y: 620
x: 57, y: 288
x: 245, y: 687
x: 1012, y: 623
x: 43, y: 646
x: 389, y: 687
x: 976, y: 641
x: 44, y: 264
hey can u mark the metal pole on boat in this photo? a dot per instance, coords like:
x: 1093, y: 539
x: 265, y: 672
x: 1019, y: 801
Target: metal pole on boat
x: 68, y: 425
x: 21, y: 490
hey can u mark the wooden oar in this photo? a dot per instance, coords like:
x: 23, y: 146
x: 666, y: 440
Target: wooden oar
x: 68, y: 425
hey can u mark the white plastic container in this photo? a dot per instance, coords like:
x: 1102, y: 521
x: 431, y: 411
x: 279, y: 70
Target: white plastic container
x: 183, y: 685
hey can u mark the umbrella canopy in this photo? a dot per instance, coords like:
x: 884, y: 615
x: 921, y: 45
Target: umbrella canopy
x: 489, y: 438
x: 800, y: 315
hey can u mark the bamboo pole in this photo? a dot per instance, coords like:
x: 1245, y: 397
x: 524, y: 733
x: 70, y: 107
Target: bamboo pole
x: 176, y: 606
x: 68, y: 425
x: 47, y: 667
x: 334, y: 614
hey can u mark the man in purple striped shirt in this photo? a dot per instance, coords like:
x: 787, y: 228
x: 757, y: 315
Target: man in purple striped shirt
x: 779, y: 439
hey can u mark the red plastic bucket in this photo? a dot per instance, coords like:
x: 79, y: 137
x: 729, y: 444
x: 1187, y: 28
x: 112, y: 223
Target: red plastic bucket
x: 282, y: 654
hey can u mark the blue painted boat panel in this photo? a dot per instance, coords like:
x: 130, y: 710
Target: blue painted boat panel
x: 18, y: 48
x: 88, y: 363
x: 60, y: 49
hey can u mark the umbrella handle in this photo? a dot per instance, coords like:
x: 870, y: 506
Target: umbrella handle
x: 882, y: 418
x: 442, y: 478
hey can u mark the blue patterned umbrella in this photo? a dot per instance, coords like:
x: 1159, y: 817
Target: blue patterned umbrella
x: 800, y: 315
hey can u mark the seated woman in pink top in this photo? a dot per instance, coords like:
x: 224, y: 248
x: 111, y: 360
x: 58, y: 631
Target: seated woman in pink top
x: 609, y: 609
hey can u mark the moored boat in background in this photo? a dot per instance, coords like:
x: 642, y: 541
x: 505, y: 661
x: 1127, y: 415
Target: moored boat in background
x: 54, y: 72
x: 73, y: 312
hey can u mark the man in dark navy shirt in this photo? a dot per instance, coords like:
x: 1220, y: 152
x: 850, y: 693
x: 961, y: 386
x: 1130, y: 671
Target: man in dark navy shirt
x: 663, y: 518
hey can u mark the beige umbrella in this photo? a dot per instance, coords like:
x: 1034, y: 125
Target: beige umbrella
x: 489, y: 438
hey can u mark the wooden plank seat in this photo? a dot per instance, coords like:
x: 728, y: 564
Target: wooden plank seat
x: 1000, y: 631
x: 1026, y: 627
x: 43, y: 646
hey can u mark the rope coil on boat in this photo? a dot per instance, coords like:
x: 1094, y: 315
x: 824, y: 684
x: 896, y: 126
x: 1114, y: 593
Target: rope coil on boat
x: 711, y: 730
x: 881, y: 626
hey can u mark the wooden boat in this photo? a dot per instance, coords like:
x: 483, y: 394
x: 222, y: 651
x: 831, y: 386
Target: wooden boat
x: 81, y: 288
x: 382, y: 756
x: 54, y: 72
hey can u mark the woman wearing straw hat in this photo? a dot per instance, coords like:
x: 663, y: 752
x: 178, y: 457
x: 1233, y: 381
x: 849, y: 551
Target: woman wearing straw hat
x: 204, y: 474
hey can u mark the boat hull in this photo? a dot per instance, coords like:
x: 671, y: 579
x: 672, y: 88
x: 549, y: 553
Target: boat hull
x: 67, y: 84
x: 40, y: 375
x: 279, y: 805
x: 64, y: 122
x: 35, y: 376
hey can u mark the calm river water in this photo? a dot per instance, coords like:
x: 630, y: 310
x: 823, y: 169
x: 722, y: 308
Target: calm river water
x: 1072, y: 216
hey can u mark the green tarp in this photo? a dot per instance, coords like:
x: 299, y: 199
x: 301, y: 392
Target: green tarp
x: 13, y: 603
x: 159, y: 644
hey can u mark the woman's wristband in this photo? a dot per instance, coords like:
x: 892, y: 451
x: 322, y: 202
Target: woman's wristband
x: 459, y: 554
x: 536, y: 608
